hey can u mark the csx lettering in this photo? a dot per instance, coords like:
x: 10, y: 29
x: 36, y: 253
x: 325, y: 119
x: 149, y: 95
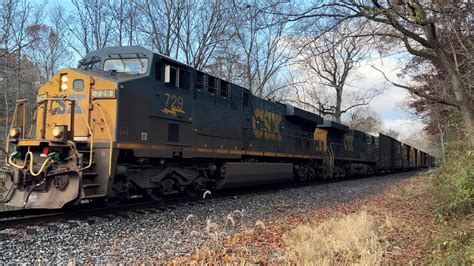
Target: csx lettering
x: 77, y: 98
x: 57, y: 107
x: 349, y: 143
x: 271, y: 125
x: 61, y: 107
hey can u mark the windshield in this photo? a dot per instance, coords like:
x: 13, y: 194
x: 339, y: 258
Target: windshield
x: 127, y: 65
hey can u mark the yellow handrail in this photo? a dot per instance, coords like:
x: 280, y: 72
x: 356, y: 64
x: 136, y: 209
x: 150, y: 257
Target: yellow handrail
x: 92, y: 137
x: 35, y: 115
x: 9, y: 159
x: 7, y: 142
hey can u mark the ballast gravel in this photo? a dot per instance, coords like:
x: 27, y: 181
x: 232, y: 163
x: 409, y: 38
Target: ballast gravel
x: 157, y: 235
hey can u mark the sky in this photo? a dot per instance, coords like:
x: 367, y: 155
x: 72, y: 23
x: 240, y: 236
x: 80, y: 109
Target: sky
x: 391, y: 105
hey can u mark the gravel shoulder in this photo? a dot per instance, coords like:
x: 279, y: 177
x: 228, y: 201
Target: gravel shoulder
x: 160, y: 236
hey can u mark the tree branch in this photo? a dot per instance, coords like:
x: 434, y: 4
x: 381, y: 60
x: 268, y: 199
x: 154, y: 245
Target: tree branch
x: 418, y: 92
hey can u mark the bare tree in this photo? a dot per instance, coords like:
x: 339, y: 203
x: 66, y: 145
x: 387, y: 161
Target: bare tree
x: 328, y: 62
x: 16, y: 19
x: 90, y: 24
x: 391, y: 133
x: 363, y: 119
x: 421, y: 142
x: 124, y: 17
x: 15, y: 16
x: 440, y: 33
x: 160, y: 25
x: 203, y: 30
x: 49, y: 52
x: 258, y: 40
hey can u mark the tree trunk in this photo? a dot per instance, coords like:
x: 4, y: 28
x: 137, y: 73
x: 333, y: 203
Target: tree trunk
x: 337, y: 113
x: 441, y: 138
x: 461, y: 96
x: 467, y: 114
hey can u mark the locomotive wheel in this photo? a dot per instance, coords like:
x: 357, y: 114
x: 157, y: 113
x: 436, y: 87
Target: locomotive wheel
x: 191, y: 191
x: 302, y: 174
x: 155, y: 194
x: 119, y: 193
x: 196, y: 187
x: 166, y: 186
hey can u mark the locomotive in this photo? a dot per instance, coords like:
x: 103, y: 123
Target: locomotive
x: 129, y: 122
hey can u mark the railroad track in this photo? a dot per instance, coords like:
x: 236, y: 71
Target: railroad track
x: 20, y: 218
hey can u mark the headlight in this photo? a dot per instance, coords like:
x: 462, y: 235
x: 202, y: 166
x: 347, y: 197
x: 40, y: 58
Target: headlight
x: 58, y: 131
x: 64, y: 80
x: 14, y: 132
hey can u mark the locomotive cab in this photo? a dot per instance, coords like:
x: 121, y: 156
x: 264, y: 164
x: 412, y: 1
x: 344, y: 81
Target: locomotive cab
x: 65, y: 153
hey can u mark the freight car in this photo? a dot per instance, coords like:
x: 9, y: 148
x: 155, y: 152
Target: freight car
x: 128, y: 121
x: 390, y: 157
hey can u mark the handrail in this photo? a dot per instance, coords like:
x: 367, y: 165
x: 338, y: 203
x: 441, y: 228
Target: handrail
x: 92, y: 137
x: 7, y: 142
x: 13, y: 122
x: 9, y: 158
x: 35, y: 115
x: 110, y: 137
x: 332, y: 151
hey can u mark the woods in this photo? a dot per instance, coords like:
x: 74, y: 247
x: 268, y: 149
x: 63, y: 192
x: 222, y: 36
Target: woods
x: 281, y: 50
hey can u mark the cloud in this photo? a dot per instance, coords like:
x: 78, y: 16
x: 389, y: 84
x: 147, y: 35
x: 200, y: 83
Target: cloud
x: 388, y: 105
x: 406, y: 127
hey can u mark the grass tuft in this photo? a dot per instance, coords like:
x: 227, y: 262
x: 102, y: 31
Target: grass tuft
x: 207, y: 192
x: 260, y: 224
x: 350, y: 239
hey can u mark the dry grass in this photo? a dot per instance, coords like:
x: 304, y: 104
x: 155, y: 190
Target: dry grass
x: 351, y: 239
x: 411, y: 188
x: 396, y: 226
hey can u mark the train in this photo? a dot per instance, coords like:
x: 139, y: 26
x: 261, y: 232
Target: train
x: 130, y: 122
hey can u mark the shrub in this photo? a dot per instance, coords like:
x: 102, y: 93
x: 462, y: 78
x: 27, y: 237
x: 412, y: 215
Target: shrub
x: 453, y: 184
x: 453, y: 192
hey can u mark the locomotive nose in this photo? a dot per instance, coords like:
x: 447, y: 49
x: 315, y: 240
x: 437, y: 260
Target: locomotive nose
x: 74, y: 110
x: 70, y: 99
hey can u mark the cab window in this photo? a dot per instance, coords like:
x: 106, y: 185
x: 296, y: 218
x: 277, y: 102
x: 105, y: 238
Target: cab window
x: 127, y: 65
